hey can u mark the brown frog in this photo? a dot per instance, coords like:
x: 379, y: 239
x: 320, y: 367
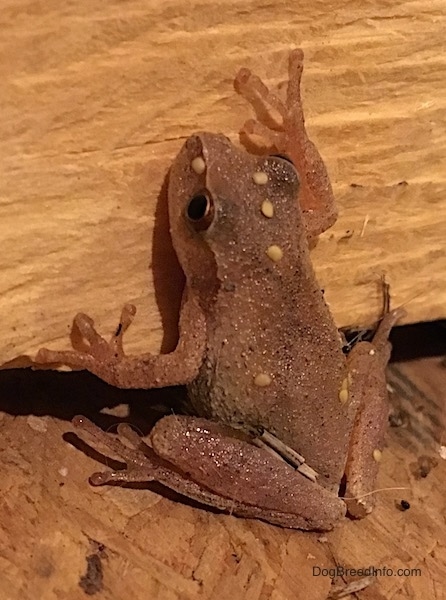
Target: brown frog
x: 282, y: 415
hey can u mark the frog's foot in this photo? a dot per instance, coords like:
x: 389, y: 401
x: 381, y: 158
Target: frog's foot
x: 108, y: 361
x: 141, y: 464
x: 90, y: 347
x: 91, y: 350
x: 270, y: 111
x: 282, y: 125
x: 127, y: 447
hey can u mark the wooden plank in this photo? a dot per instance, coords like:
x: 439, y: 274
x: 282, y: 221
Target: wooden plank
x: 152, y: 544
x: 97, y: 99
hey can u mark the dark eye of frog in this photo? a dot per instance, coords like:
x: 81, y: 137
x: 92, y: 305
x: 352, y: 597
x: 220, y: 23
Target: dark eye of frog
x: 200, y: 211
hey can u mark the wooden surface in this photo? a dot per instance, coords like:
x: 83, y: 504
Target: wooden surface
x: 143, y: 543
x: 97, y: 98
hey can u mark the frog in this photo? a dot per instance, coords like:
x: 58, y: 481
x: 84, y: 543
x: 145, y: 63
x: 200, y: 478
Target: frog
x: 279, y: 418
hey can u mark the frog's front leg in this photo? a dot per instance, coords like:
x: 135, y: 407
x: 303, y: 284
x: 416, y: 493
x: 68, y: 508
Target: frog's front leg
x: 287, y: 134
x: 216, y: 465
x: 366, y: 391
x: 108, y: 361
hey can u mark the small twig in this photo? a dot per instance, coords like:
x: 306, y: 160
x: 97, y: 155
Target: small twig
x: 260, y: 444
x: 290, y: 455
x: 364, y: 225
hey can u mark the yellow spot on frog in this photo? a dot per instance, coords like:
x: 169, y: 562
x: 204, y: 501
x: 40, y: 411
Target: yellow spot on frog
x: 275, y: 253
x: 343, y: 392
x: 260, y: 177
x: 267, y: 209
x: 262, y: 380
x: 377, y: 454
x: 198, y: 165
x: 343, y: 396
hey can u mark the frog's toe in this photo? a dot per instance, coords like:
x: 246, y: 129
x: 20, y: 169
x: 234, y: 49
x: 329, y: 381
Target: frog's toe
x: 69, y: 358
x: 268, y: 107
x: 105, y: 477
x: 271, y: 137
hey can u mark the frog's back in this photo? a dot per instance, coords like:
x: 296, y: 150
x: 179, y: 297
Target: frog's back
x: 273, y: 356
x: 274, y: 361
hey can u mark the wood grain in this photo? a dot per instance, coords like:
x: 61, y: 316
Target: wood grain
x: 97, y: 99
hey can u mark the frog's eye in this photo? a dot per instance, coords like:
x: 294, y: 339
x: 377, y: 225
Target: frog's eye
x: 200, y: 211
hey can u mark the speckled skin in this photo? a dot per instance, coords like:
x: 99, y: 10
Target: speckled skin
x: 261, y: 316
x: 258, y: 348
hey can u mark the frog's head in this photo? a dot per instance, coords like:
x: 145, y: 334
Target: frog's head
x: 230, y: 210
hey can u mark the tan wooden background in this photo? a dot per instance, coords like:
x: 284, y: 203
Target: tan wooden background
x: 96, y: 98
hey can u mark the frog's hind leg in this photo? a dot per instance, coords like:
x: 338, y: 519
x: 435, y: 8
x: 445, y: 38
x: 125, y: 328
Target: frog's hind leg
x: 365, y: 390
x: 215, y: 465
x: 248, y: 481
x: 141, y: 463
